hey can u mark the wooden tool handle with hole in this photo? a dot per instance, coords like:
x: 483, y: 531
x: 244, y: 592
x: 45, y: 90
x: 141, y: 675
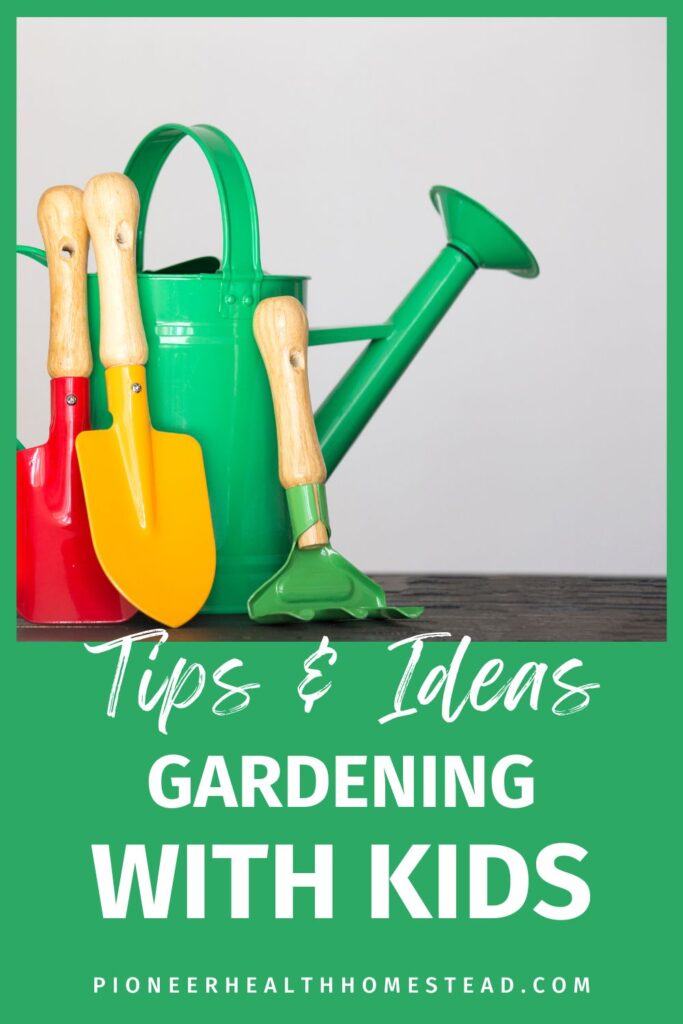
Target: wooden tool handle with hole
x: 65, y: 235
x: 281, y: 331
x: 112, y: 208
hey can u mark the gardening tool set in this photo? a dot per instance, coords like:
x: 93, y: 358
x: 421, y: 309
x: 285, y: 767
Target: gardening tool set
x: 198, y: 513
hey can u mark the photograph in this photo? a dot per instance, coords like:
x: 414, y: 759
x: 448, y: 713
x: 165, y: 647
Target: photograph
x: 497, y: 450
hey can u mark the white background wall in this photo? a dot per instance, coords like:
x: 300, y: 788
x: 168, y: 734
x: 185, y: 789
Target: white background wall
x: 529, y: 435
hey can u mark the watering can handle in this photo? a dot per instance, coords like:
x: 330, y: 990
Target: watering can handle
x: 241, y: 252
x: 39, y: 256
x: 33, y: 253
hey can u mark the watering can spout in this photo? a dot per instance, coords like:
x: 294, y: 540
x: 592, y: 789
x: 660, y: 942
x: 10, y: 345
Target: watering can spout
x: 475, y: 239
x: 481, y: 236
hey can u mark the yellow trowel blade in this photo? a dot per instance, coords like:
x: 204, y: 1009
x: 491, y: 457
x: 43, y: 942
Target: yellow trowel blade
x: 148, y: 505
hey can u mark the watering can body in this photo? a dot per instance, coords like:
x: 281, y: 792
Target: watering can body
x: 205, y: 373
x: 206, y: 378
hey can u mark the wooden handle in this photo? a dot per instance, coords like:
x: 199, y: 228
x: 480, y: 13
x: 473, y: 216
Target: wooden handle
x: 112, y: 207
x: 281, y: 331
x: 65, y: 235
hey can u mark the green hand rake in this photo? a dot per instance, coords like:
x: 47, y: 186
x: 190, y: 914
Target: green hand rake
x: 315, y: 582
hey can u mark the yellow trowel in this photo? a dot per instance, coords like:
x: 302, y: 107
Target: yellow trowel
x: 145, y: 490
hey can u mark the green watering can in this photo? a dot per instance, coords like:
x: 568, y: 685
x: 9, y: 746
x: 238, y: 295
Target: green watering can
x: 206, y: 376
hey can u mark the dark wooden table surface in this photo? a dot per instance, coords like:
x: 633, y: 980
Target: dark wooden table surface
x: 483, y: 607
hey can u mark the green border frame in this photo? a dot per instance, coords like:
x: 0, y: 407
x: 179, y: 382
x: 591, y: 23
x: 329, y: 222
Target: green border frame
x: 630, y: 742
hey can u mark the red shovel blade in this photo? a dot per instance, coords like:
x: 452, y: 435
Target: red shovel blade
x: 58, y: 576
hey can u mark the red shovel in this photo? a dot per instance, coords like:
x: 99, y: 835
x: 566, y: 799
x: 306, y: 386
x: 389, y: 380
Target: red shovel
x: 58, y: 576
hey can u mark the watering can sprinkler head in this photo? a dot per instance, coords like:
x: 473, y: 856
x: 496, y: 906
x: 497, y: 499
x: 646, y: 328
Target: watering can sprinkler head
x: 481, y: 236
